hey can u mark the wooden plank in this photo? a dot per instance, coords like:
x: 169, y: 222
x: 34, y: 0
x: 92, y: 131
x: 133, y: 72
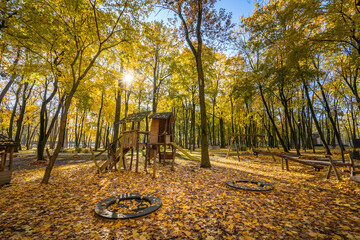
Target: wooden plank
x: 5, y: 177
x: 3, y: 160
x: 227, y: 155
x: 154, y: 131
x: 11, y: 157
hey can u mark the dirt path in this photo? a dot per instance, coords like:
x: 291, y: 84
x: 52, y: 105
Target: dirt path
x: 24, y: 161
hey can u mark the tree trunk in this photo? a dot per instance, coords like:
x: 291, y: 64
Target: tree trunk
x: 19, y: 122
x: 332, y: 121
x: 272, y: 120
x: 43, y: 121
x: 318, y: 128
x: 11, y: 124
x: 43, y: 137
x: 222, y: 137
x: 98, y: 127
x: 61, y: 138
x: 117, y: 117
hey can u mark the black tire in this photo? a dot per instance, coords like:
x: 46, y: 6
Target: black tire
x: 147, y: 205
x: 262, y: 186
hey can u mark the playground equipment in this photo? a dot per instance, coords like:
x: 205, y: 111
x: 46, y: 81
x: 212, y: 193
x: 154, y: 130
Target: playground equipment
x: 250, y: 185
x: 235, y: 136
x: 129, y: 142
x: 132, y: 205
x: 156, y: 142
x: 6, y: 147
x: 161, y: 134
x: 184, y: 152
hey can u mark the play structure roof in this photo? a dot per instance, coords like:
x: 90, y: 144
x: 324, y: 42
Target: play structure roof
x: 6, y: 141
x: 164, y: 115
x: 135, y: 117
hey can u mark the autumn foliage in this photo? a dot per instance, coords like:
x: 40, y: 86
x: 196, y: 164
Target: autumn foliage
x: 196, y: 203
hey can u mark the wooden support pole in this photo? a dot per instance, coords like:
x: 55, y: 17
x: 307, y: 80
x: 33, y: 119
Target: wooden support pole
x: 122, y: 147
x: 154, y: 171
x: 329, y: 171
x: 11, y: 157
x: 232, y: 141
x: 334, y: 167
x: 173, y: 159
x: 137, y: 148
x: 3, y: 160
x: 93, y: 157
x: 131, y: 160
x: 237, y: 150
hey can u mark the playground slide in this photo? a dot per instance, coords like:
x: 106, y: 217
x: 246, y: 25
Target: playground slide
x: 185, y: 152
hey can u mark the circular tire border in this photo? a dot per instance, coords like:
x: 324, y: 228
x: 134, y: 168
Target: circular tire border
x: 232, y: 183
x: 101, y: 208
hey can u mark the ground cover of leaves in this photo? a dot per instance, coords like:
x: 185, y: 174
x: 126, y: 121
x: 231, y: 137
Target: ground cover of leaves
x: 197, y: 204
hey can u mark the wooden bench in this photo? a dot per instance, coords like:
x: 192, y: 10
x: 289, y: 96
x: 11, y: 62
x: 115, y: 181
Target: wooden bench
x: 319, y: 163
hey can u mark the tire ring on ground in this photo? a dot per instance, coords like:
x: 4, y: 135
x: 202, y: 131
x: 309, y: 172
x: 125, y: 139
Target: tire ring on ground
x: 232, y: 183
x: 101, y: 208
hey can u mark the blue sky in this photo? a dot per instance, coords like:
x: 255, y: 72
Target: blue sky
x: 237, y: 7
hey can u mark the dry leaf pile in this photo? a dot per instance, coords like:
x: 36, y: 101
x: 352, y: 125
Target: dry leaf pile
x: 196, y: 203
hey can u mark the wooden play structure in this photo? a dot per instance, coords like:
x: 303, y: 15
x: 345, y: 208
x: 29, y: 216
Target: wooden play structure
x: 6, y: 149
x: 130, y: 141
x: 161, y: 135
x: 155, y: 142
x: 237, y: 136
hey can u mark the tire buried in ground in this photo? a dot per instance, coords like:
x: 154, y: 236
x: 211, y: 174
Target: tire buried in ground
x: 145, y: 204
x: 250, y: 185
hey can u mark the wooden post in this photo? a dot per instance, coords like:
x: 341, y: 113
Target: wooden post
x: 137, y: 148
x: 237, y: 149
x: 282, y: 163
x: 287, y: 164
x: 122, y: 147
x: 3, y: 160
x: 154, y: 171
x: 332, y: 165
x: 329, y: 171
x: 93, y: 157
x: 352, y: 167
x: 232, y: 141
x: 132, y: 156
x: 173, y: 160
x: 11, y: 157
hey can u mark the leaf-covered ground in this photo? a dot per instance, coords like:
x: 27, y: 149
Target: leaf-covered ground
x: 196, y: 203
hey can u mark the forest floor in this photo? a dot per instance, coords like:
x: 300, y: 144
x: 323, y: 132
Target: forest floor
x: 196, y: 203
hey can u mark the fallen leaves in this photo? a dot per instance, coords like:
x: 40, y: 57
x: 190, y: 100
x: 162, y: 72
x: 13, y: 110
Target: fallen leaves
x: 196, y: 203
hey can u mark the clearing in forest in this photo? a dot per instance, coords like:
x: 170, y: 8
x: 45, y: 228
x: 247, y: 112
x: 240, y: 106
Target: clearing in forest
x: 196, y: 203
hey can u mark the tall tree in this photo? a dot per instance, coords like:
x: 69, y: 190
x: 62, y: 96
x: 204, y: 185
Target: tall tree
x: 199, y: 22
